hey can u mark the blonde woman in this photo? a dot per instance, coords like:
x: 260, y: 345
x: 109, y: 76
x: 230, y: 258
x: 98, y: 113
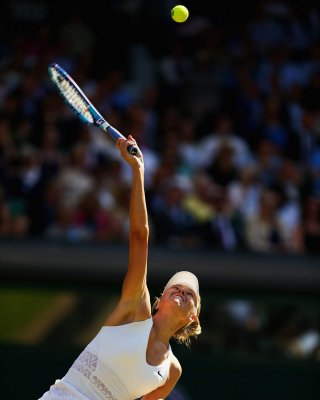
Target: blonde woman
x: 131, y: 356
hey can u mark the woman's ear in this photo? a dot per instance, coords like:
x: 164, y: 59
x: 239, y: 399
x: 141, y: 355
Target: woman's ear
x: 155, y: 306
x: 193, y: 318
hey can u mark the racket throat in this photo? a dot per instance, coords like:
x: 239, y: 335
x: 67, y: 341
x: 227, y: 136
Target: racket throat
x: 114, y: 133
x: 104, y: 126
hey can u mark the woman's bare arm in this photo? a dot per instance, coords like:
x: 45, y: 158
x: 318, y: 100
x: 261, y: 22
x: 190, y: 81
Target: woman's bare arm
x: 135, y: 300
x: 163, y: 391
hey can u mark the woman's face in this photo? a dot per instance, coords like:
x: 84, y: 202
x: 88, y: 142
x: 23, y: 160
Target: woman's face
x: 182, y: 297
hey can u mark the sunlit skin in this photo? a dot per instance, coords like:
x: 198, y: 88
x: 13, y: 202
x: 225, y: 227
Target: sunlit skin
x: 184, y: 296
x: 179, y: 304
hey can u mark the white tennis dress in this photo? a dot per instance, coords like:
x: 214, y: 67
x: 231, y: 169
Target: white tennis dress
x: 113, y: 366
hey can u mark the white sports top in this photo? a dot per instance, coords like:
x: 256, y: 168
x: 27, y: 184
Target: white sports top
x: 113, y: 366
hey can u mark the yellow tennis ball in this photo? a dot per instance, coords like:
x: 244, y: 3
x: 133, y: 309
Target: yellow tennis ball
x: 179, y: 13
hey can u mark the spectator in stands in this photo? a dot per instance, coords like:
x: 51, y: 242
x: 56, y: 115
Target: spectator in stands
x: 201, y: 90
x: 264, y: 30
x: 293, y: 333
x: 188, y: 150
x: 75, y: 180
x: 263, y: 230
x: 313, y: 169
x: 61, y: 224
x: 223, y: 170
x: 307, y: 137
x: 77, y: 35
x: 175, y: 69
x: 273, y: 125
x: 289, y: 188
x: 220, y: 231
x: 95, y: 222
x: 311, y: 224
x: 244, y: 192
x: 198, y: 201
x: 175, y: 225
x: 242, y: 324
x: 267, y: 161
x: 248, y: 107
x: 224, y: 134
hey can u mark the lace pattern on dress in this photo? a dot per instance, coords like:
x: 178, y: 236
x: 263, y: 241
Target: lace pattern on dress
x: 63, y: 391
x: 86, y: 364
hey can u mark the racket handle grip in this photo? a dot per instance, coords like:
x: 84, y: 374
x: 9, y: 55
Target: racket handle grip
x: 115, y: 134
x: 132, y: 150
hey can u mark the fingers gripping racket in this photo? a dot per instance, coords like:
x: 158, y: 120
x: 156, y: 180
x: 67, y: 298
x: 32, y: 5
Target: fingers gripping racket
x: 80, y: 104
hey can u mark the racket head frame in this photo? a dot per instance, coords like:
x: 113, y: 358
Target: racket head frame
x: 80, y: 104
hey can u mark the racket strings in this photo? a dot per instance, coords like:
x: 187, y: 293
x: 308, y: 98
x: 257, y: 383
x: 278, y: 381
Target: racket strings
x: 71, y: 94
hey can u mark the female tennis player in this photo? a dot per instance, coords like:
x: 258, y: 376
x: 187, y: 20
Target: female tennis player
x: 131, y: 356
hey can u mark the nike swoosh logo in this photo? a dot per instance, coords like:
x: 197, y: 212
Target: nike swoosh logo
x: 160, y: 374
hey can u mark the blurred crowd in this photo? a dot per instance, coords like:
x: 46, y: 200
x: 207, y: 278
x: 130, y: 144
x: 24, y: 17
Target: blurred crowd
x: 227, y: 117
x: 272, y: 329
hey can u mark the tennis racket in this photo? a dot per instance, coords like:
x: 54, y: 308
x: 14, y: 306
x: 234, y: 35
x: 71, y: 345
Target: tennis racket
x: 80, y: 104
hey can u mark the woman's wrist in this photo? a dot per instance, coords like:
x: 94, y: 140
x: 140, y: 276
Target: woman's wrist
x: 138, y: 167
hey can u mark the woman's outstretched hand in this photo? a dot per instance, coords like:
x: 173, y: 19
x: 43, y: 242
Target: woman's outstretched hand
x: 132, y: 160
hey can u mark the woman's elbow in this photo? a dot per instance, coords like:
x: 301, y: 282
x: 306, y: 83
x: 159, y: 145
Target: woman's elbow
x: 141, y: 233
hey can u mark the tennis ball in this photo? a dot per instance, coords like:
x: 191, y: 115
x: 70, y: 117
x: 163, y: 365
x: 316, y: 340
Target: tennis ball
x: 179, y: 13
